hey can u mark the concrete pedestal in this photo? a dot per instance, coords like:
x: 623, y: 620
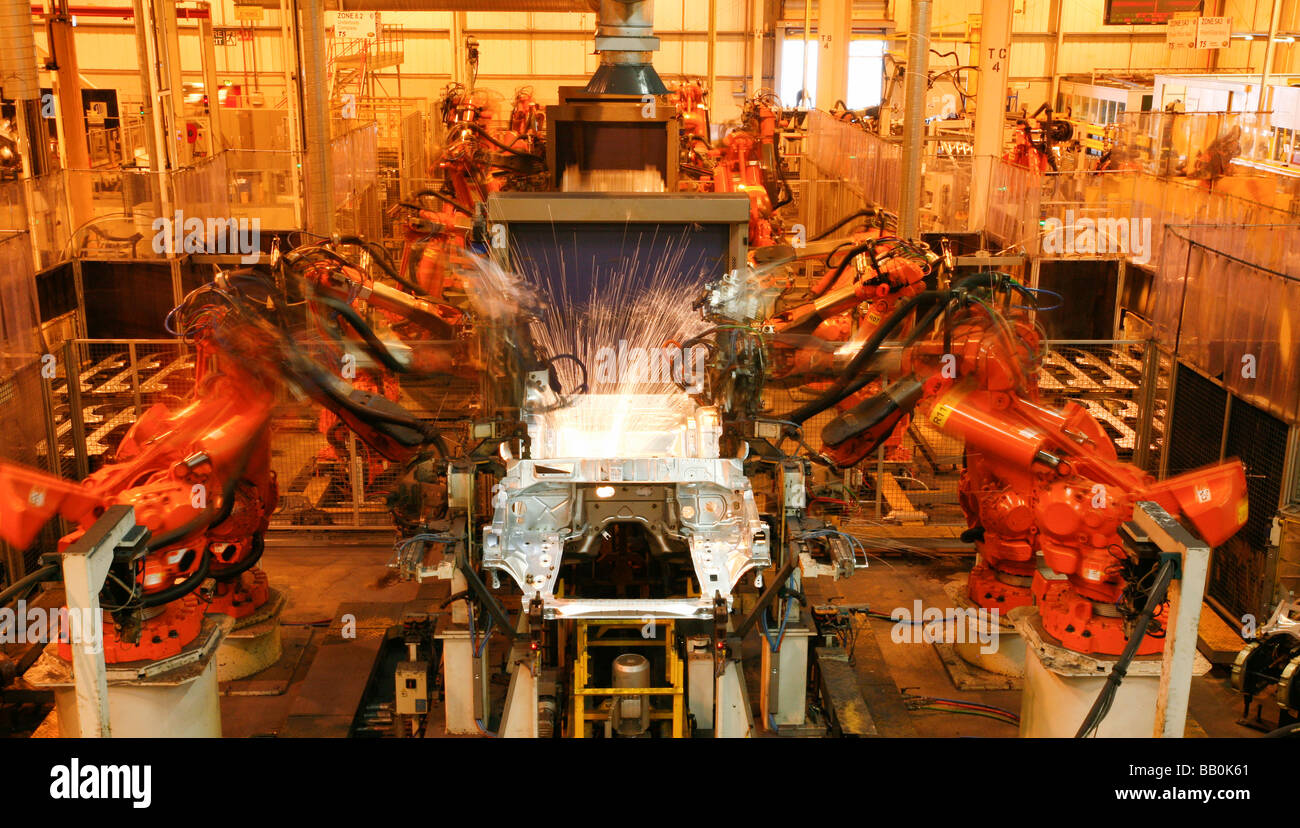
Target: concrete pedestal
x: 172, y: 698
x: 1061, y: 686
x: 1009, y: 657
x: 253, y: 643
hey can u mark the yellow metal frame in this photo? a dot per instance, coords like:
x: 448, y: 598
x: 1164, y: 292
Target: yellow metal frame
x: 674, y: 674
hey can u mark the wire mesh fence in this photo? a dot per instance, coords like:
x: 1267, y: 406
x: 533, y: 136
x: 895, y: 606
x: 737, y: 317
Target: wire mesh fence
x: 1224, y: 301
x: 1209, y: 424
x: 25, y: 440
x: 847, y: 168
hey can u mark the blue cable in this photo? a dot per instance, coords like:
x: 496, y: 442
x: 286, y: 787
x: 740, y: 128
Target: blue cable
x: 775, y: 646
x: 426, y: 538
x: 487, y: 634
x: 780, y: 636
x: 1060, y: 300
x: 478, y: 652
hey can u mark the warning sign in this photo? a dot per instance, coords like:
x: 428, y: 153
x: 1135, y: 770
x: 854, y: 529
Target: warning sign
x: 1181, y: 31
x: 355, y: 25
x: 1213, y: 32
x: 1199, y: 32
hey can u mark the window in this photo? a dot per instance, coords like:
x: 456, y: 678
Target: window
x: 792, y: 71
x: 866, y: 73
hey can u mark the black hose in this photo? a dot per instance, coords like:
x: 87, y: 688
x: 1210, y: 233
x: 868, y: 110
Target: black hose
x: 446, y: 200
x: 860, y: 360
x: 918, y: 330
x: 464, y: 593
x: 867, y: 213
x: 827, y: 261
x: 28, y: 581
x: 182, y: 589
x: 853, y: 253
x: 380, y: 256
x: 1106, y: 697
x: 1285, y: 731
x: 483, y: 131
x: 311, y: 374
x: 582, y: 387
x: 209, y: 517
x: 374, y: 346
x: 853, y: 378
x: 255, y: 555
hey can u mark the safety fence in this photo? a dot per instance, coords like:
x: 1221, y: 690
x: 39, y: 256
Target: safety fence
x: 37, y: 207
x: 1109, y: 214
x: 265, y: 184
x: 129, y: 213
x: 1013, y: 211
x: 1205, y: 145
x: 1116, y: 213
x: 1209, y: 423
x: 840, y: 153
x: 354, y: 159
x: 22, y: 433
x: 1225, y: 302
x: 19, y: 313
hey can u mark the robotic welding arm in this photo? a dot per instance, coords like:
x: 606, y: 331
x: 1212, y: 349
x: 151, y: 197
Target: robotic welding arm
x: 1037, y: 481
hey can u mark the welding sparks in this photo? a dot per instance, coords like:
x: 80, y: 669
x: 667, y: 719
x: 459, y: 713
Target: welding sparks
x: 627, y: 325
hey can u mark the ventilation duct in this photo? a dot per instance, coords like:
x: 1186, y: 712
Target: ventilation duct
x: 625, y: 40
x: 19, y: 80
x: 319, y: 172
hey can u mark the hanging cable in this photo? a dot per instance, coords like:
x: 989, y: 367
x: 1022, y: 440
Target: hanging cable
x: 1106, y: 697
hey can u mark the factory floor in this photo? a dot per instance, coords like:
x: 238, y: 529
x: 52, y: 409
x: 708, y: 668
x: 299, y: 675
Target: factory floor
x: 322, y: 581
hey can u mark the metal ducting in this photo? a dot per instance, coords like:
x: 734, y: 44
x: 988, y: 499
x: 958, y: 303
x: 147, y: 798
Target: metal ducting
x: 625, y: 40
x: 20, y: 82
x: 319, y: 178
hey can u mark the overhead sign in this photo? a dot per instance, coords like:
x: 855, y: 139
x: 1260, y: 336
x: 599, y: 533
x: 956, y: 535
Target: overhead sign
x: 248, y: 14
x: 1199, y: 32
x: 355, y: 25
x: 1181, y: 31
x: 1213, y: 32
